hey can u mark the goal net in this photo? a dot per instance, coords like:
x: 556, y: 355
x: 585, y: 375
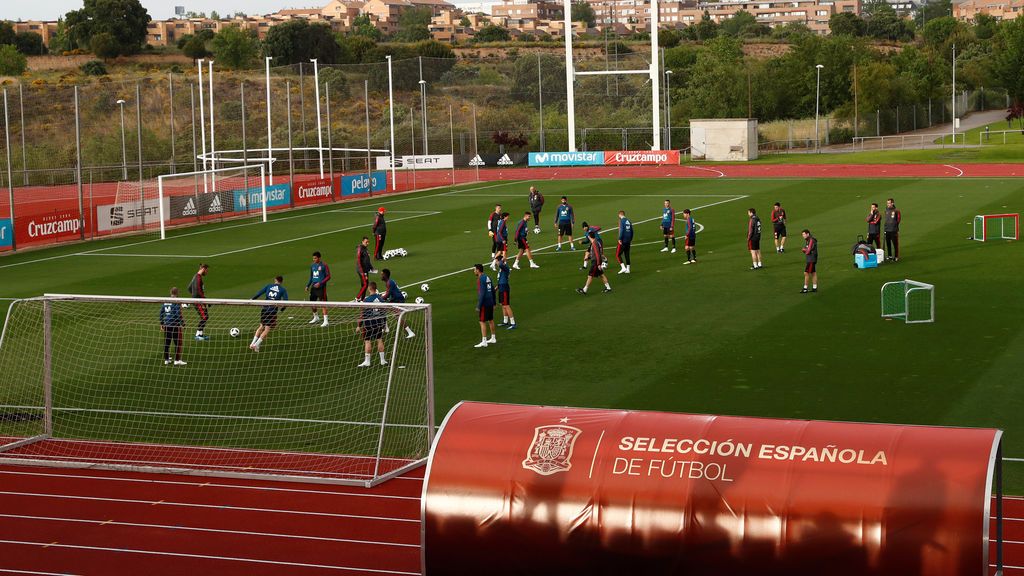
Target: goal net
x: 85, y: 382
x: 996, y: 227
x: 212, y: 195
x: 913, y: 302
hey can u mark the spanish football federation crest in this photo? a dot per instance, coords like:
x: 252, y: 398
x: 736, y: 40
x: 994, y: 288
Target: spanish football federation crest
x: 551, y: 449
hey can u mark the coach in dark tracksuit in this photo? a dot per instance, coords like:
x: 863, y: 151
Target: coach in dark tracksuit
x: 172, y: 324
x: 380, y: 230
x: 536, y: 204
x: 363, y: 267
x: 893, y: 217
x: 874, y: 220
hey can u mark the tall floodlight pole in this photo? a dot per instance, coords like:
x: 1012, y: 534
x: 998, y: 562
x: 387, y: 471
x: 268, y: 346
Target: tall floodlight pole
x: 319, y: 128
x: 391, y: 113
x: 202, y: 122
x: 953, y: 91
x: 213, y: 142
x: 124, y: 148
x: 655, y: 79
x: 270, y: 131
x: 817, y: 101
x: 540, y: 103
x: 570, y: 76
x: 668, y: 108
x: 423, y: 113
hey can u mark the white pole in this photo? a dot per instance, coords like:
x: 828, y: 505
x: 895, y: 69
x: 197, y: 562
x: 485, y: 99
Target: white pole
x: 270, y: 147
x: 202, y: 122
x: 160, y: 205
x: 391, y: 112
x: 953, y: 129
x: 570, y: 75
x: 319, y: 130
x: 124, y: 148
x: 263, y: 190
x: 213, y: 145
x: 655, y: 80
x: 817, y: 104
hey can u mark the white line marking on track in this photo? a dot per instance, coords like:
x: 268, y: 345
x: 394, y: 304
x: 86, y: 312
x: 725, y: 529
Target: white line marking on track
x: 719, y: 172
x: 209, y: 506
x: 142, y: 255
x: 729, y: 199
x: 203, y: 556
x: 960, y: 172
x: 213, y: 530
x: 1007, y: 566
x: 214, y: 485
x: 9, y: 571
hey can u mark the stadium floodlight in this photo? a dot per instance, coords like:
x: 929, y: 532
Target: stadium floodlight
x: 213, y: 142
x: 319, y: 128
x: 202, y: 120
x: 996, y: 227
x: 911, y: 301
x: 817, y: 106
x: 124, y: 149
x: 83, y: 384
x: 270, y: 128
x: 653, y: 73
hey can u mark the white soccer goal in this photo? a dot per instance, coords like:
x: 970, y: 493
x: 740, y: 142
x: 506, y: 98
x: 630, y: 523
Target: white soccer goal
x: 84, y: 383
x: 912, y: 301
x: 209, y: 195
x: 996, y: 227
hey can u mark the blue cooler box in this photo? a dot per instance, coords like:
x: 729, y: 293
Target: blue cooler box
x: 869, y: 261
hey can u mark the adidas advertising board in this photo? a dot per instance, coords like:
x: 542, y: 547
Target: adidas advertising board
x: 203, y: 205
x: 490, y: 160
x: 418, y: 162
x: 129, y: 215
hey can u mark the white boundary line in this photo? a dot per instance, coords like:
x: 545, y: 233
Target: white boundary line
x: 221, y: 507
x: 10, y: 571
x: 961, y: 172
x: 204, y: 556
x: 212, y: 530
x: 210, y: 485
x: 535, y: 251
x: 719, y: 172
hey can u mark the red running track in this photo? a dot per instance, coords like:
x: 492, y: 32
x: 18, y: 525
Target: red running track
x: 56, y: 521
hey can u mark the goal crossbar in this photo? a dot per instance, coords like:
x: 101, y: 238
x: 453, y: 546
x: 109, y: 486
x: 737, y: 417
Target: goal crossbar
x: 212, y: 174
x: 59, y: 423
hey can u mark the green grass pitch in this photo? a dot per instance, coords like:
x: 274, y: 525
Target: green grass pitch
x: 713, y: 338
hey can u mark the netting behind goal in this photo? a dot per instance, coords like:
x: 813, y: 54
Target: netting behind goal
x: 212, y: 195
x: 84, y: 382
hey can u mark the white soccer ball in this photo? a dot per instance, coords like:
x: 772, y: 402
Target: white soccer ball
x: 387, y: 256
x: 425, y: 287
x: 234, y: 332
x: 536, y: 229
x: 419, y: 300
x: 405, y: 294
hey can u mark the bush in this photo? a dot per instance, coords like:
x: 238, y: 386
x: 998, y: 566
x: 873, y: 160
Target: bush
x: 94, y: 68
x: 840, y: 136
x: 12, y: 62
x: 104, y: 45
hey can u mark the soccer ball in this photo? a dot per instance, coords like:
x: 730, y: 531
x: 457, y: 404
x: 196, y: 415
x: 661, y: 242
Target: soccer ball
x: 234, y: 332
x: 536, y: 229
x: 387, y: 255
x: 405, y: 294
x: 425, y: 287
x: 419, y: 300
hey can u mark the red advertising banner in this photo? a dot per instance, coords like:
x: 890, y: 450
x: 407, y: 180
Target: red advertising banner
x: 641, y: 157
x: 60, y: 224
x: 545, y: 490
x: 313, y: 191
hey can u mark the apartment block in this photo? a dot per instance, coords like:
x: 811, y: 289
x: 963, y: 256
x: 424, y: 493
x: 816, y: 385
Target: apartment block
x: 998, y: 9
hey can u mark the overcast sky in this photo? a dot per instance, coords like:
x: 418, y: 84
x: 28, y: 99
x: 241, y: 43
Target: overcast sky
x: 158, y: 9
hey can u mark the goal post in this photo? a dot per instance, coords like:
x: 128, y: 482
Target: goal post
x: 84, y: 382
x: 996, y: 227
x: 187, y: 198
x: 909, y: 300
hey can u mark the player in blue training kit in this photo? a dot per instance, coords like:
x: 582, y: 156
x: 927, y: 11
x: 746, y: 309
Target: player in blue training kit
x: 268, y: 314
x: 172, y: 324
x: 319, y: 274
x: 690, y: 243
x: 505, y: 296
x: 500, y: 240
x: 591, y: 235
x: 668, y: 226
x: 523, y: 243
x: 373, y: 322
x: 484, y: 306
x: 564, y: 220
x: 625, y: 240
x: 596, y: 265
x: 394, y: 295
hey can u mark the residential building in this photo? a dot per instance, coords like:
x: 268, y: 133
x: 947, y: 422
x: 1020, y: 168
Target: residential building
x: 45, y: 29
x: 998, y: 9
x: 528, y: 9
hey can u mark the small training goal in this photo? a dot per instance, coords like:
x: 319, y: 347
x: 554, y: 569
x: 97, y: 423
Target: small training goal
x: 911, y: 301
x: 996, y: 227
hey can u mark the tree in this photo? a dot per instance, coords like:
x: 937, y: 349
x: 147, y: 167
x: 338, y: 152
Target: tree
x: 846, y: 24
x: 214, y: 15
x: 938, y: 31
x: 524, y: 76
x: 414, y: 24
x: 492, y: 33
x: 94, y: 68
x: 464, y: 22
x: 791, y: 30
x: 298, y: 41
x: 1008, y: 65
x: 583, y: 12
x: 124, y: 20
x: 59, y: 41
x: 884, y: 23
x: 235, y: 48
x: 104, y: 45
x: 354, y: 48
x: 714, y: 87
x: 12, y: 62
x: 7, y: 35
x: 706, y: 29
x: 195, y: 48
x: 29, y: 44
x: 363, y: 26
x: 669, y: 38
x: 928, y: 11
x: 743, y: 24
